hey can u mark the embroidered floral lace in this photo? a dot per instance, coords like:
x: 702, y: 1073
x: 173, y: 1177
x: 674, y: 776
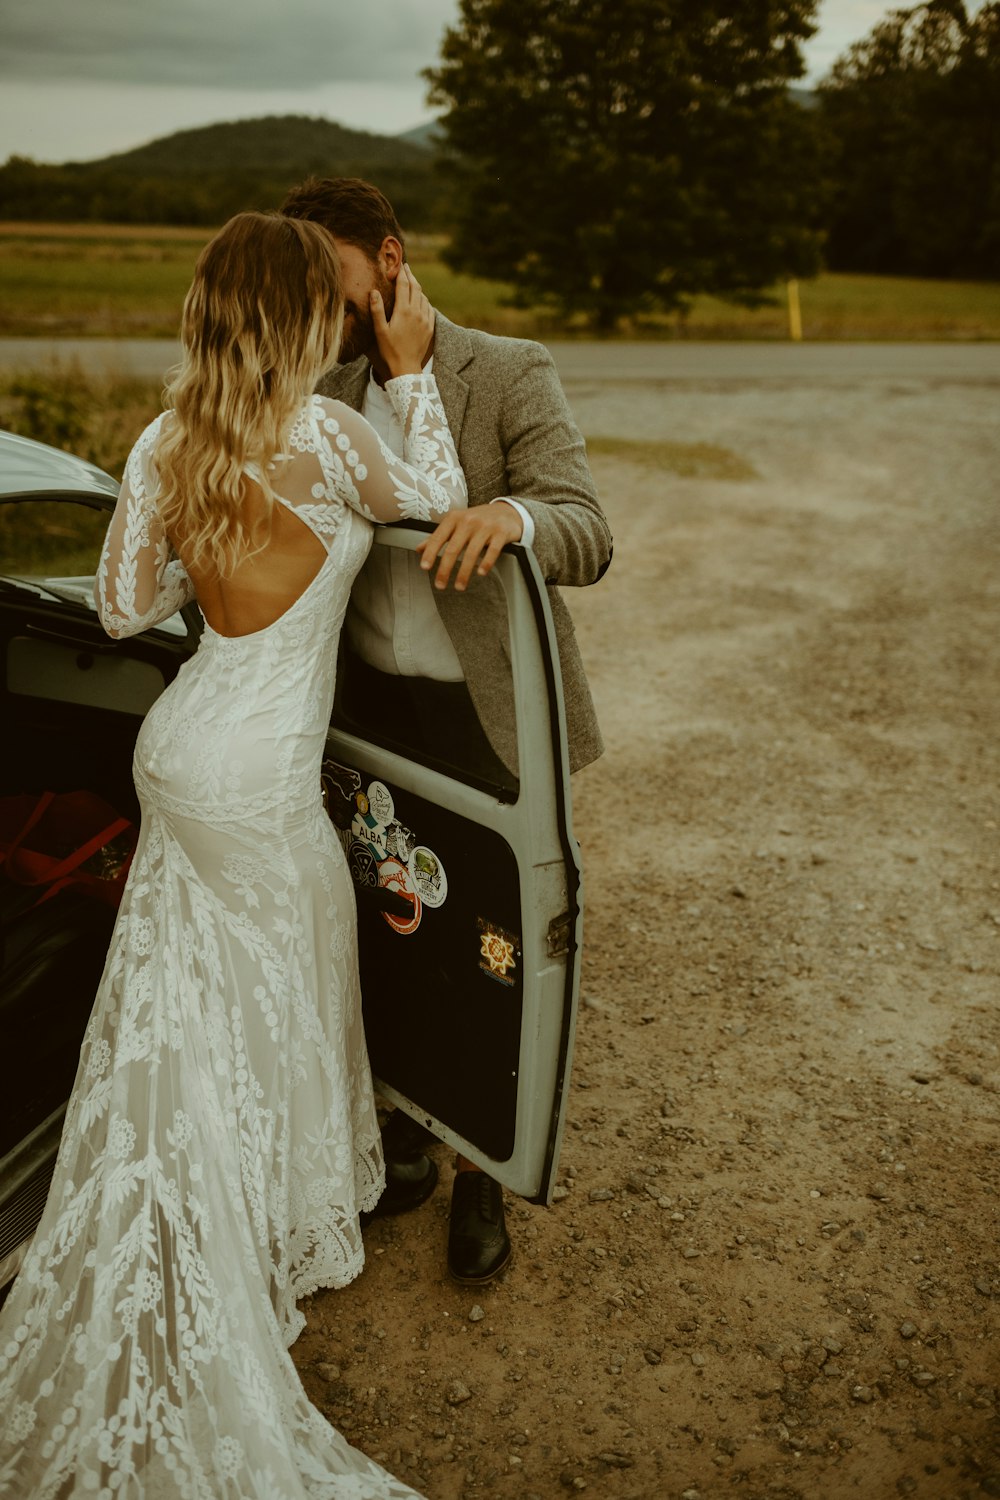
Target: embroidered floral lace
x: 221, y: 1137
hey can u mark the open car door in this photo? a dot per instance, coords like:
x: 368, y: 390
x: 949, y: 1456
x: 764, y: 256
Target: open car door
x: 469, y: 908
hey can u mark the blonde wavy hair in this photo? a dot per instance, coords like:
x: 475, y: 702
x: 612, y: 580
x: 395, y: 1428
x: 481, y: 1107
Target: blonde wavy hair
x: 261, y: 322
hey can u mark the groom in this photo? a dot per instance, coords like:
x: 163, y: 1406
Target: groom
x: 435, y: 661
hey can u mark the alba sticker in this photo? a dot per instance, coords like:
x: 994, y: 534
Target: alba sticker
x: 381, y: 850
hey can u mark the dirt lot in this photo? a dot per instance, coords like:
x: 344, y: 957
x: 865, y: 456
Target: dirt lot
x: 772, y: 1270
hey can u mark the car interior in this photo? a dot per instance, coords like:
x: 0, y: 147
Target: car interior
x: 71, y: 703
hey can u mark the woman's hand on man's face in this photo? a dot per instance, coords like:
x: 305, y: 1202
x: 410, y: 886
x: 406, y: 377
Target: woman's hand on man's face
x: 404, y: 340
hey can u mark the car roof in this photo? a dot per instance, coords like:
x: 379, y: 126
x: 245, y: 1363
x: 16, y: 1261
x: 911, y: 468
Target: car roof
x: 28, y: 468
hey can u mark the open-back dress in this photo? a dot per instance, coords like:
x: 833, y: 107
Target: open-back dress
x: 221, y: 1138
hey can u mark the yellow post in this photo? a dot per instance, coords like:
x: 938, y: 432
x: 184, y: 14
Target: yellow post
x: 794, y: 311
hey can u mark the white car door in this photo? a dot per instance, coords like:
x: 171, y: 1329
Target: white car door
x: 470, y: 910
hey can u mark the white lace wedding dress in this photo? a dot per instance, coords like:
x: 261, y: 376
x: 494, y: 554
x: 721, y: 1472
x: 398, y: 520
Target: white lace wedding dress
x: 221, y: 1137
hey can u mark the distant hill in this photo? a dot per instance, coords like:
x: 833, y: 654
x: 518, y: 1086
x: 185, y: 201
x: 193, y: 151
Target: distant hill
x: 289, y: 146
x: 427, y: 135
x: 203, y: 176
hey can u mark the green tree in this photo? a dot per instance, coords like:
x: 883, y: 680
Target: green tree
x: 617, y: 156
x: 914, y: 111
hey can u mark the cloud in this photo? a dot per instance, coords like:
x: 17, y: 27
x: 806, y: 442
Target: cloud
x: 222, y: 44
x: 57, y: 122
x: 841, y: 22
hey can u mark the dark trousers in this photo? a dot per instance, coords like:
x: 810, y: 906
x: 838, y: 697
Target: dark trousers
x: 433, y: 722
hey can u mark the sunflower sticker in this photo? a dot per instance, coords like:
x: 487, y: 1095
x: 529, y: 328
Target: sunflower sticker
x: 498, y: 952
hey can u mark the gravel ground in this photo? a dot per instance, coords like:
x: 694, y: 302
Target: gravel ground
x: 772, y: 1268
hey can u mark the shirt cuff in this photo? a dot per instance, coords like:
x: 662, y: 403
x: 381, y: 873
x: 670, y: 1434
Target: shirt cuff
x: 527, y: 520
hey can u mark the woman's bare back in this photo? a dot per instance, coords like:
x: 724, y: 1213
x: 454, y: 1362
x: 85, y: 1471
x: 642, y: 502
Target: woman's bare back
x: 266, y: 584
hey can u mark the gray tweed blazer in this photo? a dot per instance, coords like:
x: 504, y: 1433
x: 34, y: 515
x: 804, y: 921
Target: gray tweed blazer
x: 516, y: 437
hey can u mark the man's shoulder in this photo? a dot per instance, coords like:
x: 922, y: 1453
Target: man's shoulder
x: 503, y: 346
x: 460, y: 348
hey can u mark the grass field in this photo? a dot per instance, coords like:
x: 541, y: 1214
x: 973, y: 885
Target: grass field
x: 63, y: 281
x: 96, y: 418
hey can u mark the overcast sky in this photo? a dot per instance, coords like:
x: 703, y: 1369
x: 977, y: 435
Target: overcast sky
x: 84, y: 78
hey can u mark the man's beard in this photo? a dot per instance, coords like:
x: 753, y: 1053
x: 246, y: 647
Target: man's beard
x: 359, y: 326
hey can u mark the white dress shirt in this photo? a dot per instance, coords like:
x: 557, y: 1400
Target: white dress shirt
x: 393, y: 622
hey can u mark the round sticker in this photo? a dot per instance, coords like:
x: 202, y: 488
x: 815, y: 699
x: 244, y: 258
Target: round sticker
x: 380, y: 802
x: 368, y: 831
x: 427, y: 873
x: 361, y: 803
x: 393, y: 876
x: 363, y: 864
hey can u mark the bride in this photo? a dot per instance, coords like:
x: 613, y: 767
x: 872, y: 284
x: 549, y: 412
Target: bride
x: 221, y: 1138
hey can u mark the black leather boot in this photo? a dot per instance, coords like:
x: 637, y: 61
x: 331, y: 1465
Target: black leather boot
x: 410, y: 1174
x: 478, y: 1243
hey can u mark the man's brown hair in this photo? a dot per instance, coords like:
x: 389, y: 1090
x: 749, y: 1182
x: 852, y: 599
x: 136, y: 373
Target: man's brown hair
x: 350, y: 208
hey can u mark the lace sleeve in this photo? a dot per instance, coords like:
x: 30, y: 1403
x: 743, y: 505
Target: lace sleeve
x: 138, y: 582
x: 358, y: 469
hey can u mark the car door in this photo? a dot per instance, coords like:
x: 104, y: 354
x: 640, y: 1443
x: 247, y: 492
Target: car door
x: 469, y: 906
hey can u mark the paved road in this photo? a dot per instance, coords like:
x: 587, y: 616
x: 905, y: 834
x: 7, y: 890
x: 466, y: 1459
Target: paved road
x: 742, y: 362
x: 585, y: 361
x: 147, y: 358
